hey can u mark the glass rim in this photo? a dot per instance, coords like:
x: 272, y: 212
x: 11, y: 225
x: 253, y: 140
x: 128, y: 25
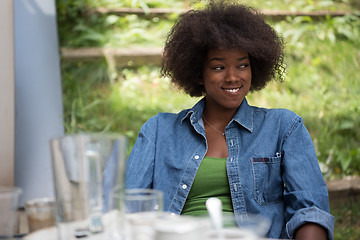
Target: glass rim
x: 40, y: 202
x: 142, y: 190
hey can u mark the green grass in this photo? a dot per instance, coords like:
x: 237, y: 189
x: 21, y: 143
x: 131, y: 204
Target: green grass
x: 122, y: 106
x: 347, y: 219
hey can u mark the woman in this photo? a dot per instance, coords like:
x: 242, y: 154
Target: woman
x: 255, y: 160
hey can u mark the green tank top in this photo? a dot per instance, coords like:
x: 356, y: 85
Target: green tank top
x: 210, y: 181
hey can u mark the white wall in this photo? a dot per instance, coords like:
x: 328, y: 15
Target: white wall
x: 6, y: 94
x: 38, y: 101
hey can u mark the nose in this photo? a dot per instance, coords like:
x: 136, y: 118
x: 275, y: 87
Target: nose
x: 231, y: 75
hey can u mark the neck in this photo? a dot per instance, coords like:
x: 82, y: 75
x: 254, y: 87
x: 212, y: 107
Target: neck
x: 218, y: 118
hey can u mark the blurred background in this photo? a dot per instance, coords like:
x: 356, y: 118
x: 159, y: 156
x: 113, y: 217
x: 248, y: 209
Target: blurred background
x: 93, y: 66
x: 110, y: 57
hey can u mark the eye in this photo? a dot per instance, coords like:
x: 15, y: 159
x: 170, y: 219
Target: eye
x: 218, y: 68
x: 244, y: 66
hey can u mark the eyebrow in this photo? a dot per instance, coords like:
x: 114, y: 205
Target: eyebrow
x: 220, y: 59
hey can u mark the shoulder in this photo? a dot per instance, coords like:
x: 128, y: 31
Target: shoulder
x: 171, y: 121
x: 165, y: 119
x: 282, y: 114
x: 284, y: 120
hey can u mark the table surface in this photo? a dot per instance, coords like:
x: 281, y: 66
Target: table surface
x: 49, y: 233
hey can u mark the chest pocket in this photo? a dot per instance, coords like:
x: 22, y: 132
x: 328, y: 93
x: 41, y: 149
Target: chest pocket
x: 268, y: 186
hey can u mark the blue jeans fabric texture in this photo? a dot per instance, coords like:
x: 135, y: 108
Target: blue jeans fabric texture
x: 271, y: 165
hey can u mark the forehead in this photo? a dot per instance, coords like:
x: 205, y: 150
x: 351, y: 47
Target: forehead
x: 226, y: 53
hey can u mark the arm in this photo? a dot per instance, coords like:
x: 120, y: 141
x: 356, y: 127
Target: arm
x: 140, y: 164
x: 307, y: 209
x: 310, y: 231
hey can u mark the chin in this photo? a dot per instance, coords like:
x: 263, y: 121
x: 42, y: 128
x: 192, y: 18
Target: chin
x: 232, y: 106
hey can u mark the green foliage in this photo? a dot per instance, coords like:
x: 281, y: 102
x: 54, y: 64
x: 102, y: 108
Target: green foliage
x: 113, y: 31
x: 346, y: 28
x: 322, y: 82
x: 84, y: 96
x: 347, y: 219
x: 322, y: 86
x: 302, y: 5
x: 92, y: 104
x: 144, y: 4
x: 141, y: 94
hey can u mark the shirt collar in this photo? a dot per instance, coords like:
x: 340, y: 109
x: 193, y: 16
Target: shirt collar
x: 195, y: 112
x: 244, y: 116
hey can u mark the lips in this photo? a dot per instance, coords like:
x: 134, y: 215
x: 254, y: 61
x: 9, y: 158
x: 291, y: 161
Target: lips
x: 232, y: 90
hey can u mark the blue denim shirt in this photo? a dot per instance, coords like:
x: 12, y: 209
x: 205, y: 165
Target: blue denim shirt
x: 272, y: 166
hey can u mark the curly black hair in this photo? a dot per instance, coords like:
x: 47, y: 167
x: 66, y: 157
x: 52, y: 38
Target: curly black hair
x: 224, y: 25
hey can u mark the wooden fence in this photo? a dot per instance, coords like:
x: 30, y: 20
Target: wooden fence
x: 138, y: 56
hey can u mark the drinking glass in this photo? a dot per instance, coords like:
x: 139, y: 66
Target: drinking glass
x: 180, y: 227
x: 40, y: 213
x: 117, y: 223
x: 86, y: 167
x: 142, y: 208
x: 9, y: 198
x: 247, y: 227
x: 143, y: 200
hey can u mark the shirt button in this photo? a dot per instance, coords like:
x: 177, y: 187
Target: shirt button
x: 184, y: 186
x: 197, y: 157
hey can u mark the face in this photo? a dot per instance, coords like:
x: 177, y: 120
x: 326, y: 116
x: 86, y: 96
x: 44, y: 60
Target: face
x: 226, y: 78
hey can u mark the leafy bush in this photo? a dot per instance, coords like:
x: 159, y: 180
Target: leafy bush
x: 322, y: 81
x: 347, y: 215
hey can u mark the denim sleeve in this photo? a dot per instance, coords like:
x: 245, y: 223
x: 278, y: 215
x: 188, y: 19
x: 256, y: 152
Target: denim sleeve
x: 305, y: 193
x: 313, y: 215
x: 140, y: 164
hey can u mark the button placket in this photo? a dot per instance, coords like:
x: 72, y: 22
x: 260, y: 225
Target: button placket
x: 233, y: 174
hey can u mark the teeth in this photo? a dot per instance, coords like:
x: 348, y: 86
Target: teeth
x: 234, y: 90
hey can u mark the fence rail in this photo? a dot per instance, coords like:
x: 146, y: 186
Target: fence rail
x: 138, y: 56
x: 119, y: 56
x: 272, y: 14
x: 341, y: 189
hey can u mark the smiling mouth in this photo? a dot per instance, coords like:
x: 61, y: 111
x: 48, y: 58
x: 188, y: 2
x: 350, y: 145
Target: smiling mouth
x: 232, y: 90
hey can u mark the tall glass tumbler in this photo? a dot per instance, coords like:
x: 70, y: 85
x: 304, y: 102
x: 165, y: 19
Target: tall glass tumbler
x: 143, y: 208
x: 134, y: 213
x: 9, y: 198
x: 86, y: 167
